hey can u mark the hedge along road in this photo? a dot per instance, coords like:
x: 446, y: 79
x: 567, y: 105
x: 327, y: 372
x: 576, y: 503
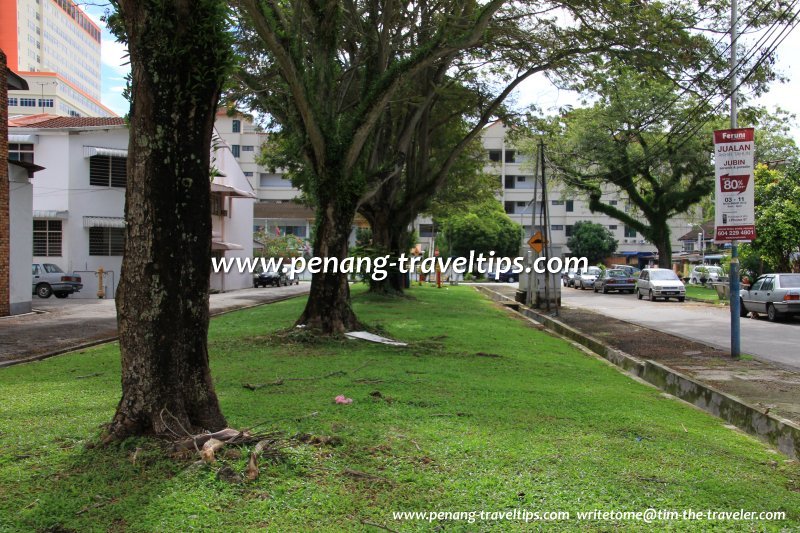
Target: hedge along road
x: 776, y: 342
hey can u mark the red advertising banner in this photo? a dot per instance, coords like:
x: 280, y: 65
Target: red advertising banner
x: 733, y: 159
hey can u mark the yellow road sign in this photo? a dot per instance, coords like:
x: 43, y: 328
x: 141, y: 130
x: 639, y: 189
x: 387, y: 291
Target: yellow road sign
x: 536, y: 242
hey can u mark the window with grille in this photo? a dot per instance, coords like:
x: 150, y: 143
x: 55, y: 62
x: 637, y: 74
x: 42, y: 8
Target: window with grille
x: 217, y: 204
x: 47, y: 238
x: 235, y: 150
x: 20, y: 152
x: 629, y: 231
x: 106, y: 241
x: 570, y: 205
x: 107, y: 171
x: 236, y: 126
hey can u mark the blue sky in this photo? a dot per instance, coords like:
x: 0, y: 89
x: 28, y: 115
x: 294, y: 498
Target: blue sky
x: 536, y: 90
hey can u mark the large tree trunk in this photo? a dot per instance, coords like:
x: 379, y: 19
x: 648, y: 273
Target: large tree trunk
x: 328, y: 309
x: 388, y: 234
x: 162, y: 300
x: 661, y: 239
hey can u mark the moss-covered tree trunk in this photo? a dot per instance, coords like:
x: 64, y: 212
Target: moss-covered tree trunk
x: 389, y: 234
x: 660, y: 235
x: 179, y: 52
x: 328, y: 307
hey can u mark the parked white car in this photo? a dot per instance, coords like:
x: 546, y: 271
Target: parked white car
x: 587, y: 277
x: 776, y: 295
x: 712, y: 273
x: 50, y: 279
x: 660, y: 283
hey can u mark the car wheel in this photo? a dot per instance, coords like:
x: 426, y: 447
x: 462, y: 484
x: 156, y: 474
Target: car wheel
x: 638, y: 294
x: 594, y: 288
x: 682, y: 299
x: 772, y: 313
x: 605, y: 290
x: 61, y: 294
x: 43, y: 290
x: 651, y: 296
x: 511, y: 279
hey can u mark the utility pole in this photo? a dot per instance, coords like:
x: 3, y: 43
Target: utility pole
x: 544, y: 219
x: 531, y: 275
x: 734, y: 283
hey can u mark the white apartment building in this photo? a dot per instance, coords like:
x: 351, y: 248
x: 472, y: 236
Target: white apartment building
x: 275, y: 211
x: 516, y: 173
x: 79, y: 199
x: 55, y: 47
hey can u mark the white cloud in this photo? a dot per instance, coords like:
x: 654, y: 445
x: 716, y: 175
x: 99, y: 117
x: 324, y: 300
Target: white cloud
x: 115, y: 55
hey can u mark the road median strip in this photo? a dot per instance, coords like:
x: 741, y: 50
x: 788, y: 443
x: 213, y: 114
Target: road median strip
x: 781, y: 433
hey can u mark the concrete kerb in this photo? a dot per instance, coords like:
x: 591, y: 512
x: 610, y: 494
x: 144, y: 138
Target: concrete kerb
x: 98, y: 342
x: 779, y: 432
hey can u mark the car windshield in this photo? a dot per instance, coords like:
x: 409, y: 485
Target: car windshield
x: 616, y: 274
x: 592, y: 271
x: 790, y: 281
x: 663, y: 275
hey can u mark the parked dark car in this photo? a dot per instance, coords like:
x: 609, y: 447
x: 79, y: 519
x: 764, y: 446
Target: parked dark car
x: 270, y: 277
x: 504, y: 277
x: 615, y: 280
x: 50, y: 279
x: 630, y: 270
x: 776, y: 295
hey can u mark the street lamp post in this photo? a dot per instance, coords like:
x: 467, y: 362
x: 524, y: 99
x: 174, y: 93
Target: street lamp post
x: 702, y: 242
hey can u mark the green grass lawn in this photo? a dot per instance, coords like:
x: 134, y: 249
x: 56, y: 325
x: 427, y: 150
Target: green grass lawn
x: 480, y: 412
x: 703, y: 293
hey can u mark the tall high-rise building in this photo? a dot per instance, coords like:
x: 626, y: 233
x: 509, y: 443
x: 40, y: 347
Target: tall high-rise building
x: 55, y: 47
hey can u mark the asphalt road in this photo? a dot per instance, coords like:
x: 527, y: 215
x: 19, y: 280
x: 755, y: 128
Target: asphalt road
x: 776, y: 342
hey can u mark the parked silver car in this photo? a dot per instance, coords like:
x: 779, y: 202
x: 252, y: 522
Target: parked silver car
x: 660, y: 283
x: 711, y: 273
x: 587, y: 277
x: 776, y: 295
x: 50, y: 279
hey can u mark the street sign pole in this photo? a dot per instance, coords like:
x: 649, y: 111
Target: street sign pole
x: 734, y: 275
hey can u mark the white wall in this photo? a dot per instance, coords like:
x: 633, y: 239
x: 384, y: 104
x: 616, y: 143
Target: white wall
x: 20, y: 202
x: 237, y: 226
x: 64, y: 187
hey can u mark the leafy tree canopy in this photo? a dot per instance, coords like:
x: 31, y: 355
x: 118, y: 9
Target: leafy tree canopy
x: 484, y: 229
x: 592, y: 241
x: 777, y: 198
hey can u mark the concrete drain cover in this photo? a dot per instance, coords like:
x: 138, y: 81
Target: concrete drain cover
x: 692, y: 352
